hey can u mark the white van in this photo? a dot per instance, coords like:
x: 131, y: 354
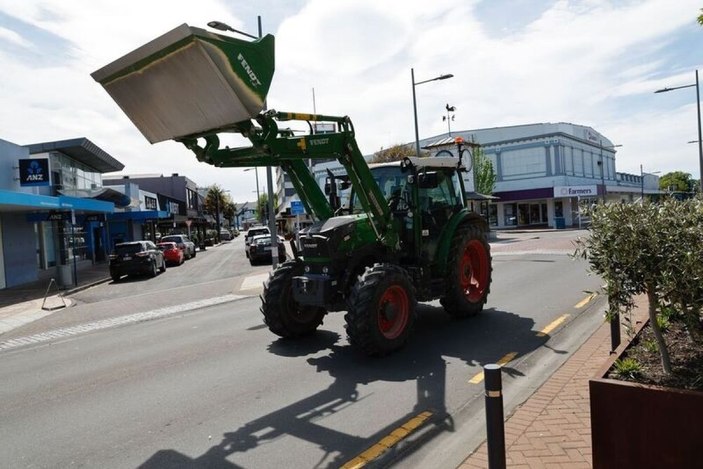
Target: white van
x: 254, y: 231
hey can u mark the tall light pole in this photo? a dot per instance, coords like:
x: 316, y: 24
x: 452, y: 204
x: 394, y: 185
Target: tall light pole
x: 269, y: 175
x: 700, y: 138
x: 256, y: 171
x: 412, y: 77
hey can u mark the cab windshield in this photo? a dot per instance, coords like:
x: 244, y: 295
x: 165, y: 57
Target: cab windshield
x: 394, y: 186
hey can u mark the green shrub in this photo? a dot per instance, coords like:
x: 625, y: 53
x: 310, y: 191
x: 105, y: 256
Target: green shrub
x: 627, y: 368
x: 651, y: 346
x: 652, y: 249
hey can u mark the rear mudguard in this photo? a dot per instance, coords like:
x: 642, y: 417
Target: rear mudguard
x: 463, y: 217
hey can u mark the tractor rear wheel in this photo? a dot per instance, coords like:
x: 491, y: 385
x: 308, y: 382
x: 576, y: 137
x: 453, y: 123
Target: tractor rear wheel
x: 468, y: 276
x: 381, y: 310
x: 282, y: 314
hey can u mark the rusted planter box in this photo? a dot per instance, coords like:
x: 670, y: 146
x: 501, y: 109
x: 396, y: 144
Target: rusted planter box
x: 640, y: 426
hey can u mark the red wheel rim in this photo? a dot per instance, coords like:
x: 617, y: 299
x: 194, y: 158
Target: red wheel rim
x: 473, y: 271
x: 393, y: 312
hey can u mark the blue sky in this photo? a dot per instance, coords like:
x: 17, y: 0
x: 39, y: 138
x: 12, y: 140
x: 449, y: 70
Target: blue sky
x: 589, y: 62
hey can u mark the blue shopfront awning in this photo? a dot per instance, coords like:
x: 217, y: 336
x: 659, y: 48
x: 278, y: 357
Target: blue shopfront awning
x: 23, y: 202
x: 142, y: 216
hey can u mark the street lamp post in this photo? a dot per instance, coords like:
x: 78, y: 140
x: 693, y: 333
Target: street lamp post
x: 256, y: 171
x: 269, y: 175
x: 412, y: 77
x: 698, y: 107
x: 225, y: 27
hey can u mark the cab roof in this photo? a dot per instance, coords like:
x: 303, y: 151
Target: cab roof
x: 428, y: 162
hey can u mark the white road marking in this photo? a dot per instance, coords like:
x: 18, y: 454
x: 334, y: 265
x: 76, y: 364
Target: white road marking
x: 118, y: 321
x: 254, y: 281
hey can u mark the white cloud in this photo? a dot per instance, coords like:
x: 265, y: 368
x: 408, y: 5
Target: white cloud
x: 14, y: 38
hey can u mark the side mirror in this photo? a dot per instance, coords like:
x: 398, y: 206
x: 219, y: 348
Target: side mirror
x: 428, y: 180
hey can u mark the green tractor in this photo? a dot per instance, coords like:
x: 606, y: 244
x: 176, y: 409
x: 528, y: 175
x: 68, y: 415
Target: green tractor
x: 403, y: 232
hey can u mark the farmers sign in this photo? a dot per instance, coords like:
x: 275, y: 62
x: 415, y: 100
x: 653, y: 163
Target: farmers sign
x: 575, y: 191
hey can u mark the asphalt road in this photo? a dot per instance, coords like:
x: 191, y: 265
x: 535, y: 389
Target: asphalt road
x: 197, y: 380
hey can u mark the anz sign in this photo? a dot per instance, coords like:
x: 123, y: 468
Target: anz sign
x: 34, y: 172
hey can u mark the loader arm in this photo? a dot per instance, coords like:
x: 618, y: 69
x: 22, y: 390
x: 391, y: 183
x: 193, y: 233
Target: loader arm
x: 273, y: 147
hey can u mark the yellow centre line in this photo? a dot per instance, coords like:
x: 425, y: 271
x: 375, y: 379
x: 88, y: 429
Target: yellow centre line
x: 553, y: 325
x: 388, y: 441
x: 585, y: 301
x: 506, y: 359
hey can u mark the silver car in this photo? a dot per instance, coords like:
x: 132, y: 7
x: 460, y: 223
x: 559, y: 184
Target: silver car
x: 183, y: 242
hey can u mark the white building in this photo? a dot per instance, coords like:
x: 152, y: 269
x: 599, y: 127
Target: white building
x: 545, y: 171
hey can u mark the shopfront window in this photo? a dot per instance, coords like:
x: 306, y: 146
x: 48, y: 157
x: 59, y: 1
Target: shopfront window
x: 523, y: 214
x: 534, y: 213
x: 510, y: 214
x: 493, y: 215
x: 72, y: 174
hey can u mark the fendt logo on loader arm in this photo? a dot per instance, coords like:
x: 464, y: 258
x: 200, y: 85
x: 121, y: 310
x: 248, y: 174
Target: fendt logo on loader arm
x: 247, y: 68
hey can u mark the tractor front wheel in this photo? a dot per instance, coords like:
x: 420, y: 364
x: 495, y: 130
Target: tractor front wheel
x: 468, y: 277
x: 381, y: 310
x: 282, y: 314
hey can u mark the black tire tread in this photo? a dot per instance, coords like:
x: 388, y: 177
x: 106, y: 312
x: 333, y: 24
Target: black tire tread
x: 362, y: 331
x: 277, y: 303
x: 454, y: 301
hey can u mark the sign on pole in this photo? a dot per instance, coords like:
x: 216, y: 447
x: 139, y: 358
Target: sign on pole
x: 296, y: 207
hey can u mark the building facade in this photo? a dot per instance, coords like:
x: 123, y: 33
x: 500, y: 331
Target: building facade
x: 53, y: 209
x: 545, y: 172
x: 177, y: 196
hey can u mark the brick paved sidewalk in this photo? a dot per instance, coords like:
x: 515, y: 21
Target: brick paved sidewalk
x: 552, y: 429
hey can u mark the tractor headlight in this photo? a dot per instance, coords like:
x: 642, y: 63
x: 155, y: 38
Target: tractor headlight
x: 325, y: 270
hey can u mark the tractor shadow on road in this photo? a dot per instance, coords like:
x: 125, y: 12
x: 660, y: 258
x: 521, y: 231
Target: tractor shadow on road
x: 476, y: 341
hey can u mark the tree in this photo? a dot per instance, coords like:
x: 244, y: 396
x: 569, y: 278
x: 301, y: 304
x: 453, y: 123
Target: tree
x: 484, y: 174
x: 396, y: 153
x: 262, y: 206
x: 677, y: 181
x: 229, y: 210
x: 700, y: 18
x: 215, y: 201
x: 652, y: 249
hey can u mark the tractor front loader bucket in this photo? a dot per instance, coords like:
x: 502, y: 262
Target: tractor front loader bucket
x: 190, y: 81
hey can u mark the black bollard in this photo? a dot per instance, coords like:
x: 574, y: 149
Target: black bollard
x: 614, y: 332
x: 495, y: 431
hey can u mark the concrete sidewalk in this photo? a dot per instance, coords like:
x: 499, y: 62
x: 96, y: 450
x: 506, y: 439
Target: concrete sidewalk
x: 31, y: 301
x: 552, y: 429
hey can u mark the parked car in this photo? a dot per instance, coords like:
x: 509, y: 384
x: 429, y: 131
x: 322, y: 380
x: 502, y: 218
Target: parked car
x: 260, y: 249
x: 183, y: 242
x: 172, y: 253
x: 254, y: 231
x: 225, y: 235
x: 136, y: 257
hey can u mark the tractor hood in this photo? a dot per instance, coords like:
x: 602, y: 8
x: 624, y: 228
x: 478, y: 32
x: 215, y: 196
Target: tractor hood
x: 336, y: 236
x: 190, y: 81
